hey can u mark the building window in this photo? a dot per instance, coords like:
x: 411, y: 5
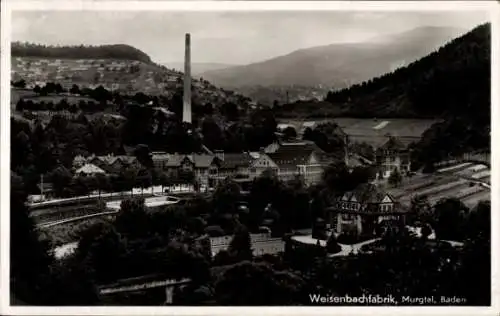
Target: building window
x: 348, y: 217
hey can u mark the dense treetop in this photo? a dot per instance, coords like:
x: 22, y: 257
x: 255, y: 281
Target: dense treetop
x: 116, y: 51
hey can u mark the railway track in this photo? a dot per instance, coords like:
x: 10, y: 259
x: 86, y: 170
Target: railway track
x: 71, y: 210
x: 76, y: 218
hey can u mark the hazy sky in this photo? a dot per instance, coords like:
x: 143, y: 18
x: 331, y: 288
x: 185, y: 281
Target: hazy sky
x: 223, y: 37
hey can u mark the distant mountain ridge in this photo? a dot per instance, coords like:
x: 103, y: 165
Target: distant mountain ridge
x: 337, y: 65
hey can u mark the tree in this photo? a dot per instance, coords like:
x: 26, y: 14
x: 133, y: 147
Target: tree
x: 29, y: 256
x: 336, y: 177
x: 20, y: 84
x: 241, y: 245
x: 289, y: 133
x: 361, y: 174
x: 133, y: 219
x: 20, y: 149
x: 226, y: 196
x: 102, y: 183
x: 212, y: 134
x: 475, y: 269
x: 61, y: 179
x: 73, y: 284
x: 395, y: 178
x: 230, y: 111
x: 420, y: 210
x: 254, y: 284
x: 74, y: 89
x: 426, y: 231
x: 20, y: 105
x: 478, y: 223
x: 319, y: 229
x: 101, y: 249
x: 262, y: 192
x: 37, y: 89
x: 331, y: 244
x: 58, y: 88
x: 450, y: 219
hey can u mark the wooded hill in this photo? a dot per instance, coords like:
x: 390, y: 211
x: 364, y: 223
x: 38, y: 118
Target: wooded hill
x: 454, y: 80
x: 118, y: 51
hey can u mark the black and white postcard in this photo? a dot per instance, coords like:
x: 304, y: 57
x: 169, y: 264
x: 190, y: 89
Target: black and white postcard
x: 180, y: 157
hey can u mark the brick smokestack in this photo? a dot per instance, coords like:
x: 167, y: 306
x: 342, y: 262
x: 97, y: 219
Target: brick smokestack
x: 186, y: 112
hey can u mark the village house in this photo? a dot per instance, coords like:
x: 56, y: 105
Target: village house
x: 364, y: 210
x: 110, y: 164
x: 199, y: 164
x: 160, y: 160
x: 392, y: 155
x: 232, y: 165
x: 289, y: 160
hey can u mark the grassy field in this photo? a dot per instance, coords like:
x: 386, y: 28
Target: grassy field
x: 373, y: 131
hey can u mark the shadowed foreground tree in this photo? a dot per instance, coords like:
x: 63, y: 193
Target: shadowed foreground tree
x: 248, y: 283
x: 241, y: 245
x: 226, y: 196
x: 450, y: 215
x: 29, y: 257
x: 36, y: 278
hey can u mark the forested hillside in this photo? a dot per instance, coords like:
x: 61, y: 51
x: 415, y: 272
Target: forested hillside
x: 455, y: 80
x: 118, y: 51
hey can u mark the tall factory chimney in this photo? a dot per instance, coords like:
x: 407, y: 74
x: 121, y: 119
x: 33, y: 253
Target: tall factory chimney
x: 186, y: 112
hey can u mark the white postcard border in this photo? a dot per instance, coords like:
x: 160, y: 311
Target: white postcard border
x: 7, y: 6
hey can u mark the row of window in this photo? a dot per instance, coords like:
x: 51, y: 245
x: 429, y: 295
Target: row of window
x: 348, y: 217
x: 350, y: 206
x: 355, y: 206
x: 386, y: 207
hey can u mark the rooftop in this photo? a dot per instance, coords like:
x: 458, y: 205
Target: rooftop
x: 90, y: 169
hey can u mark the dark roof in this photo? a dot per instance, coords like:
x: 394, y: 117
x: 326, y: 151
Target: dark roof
x: 367, y: 193
x: 328, y: 158
x: 199, y: 160
x: 355, y: 160
x: 291, y: 155
x: 235, y: 160
x: 394, y: 144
